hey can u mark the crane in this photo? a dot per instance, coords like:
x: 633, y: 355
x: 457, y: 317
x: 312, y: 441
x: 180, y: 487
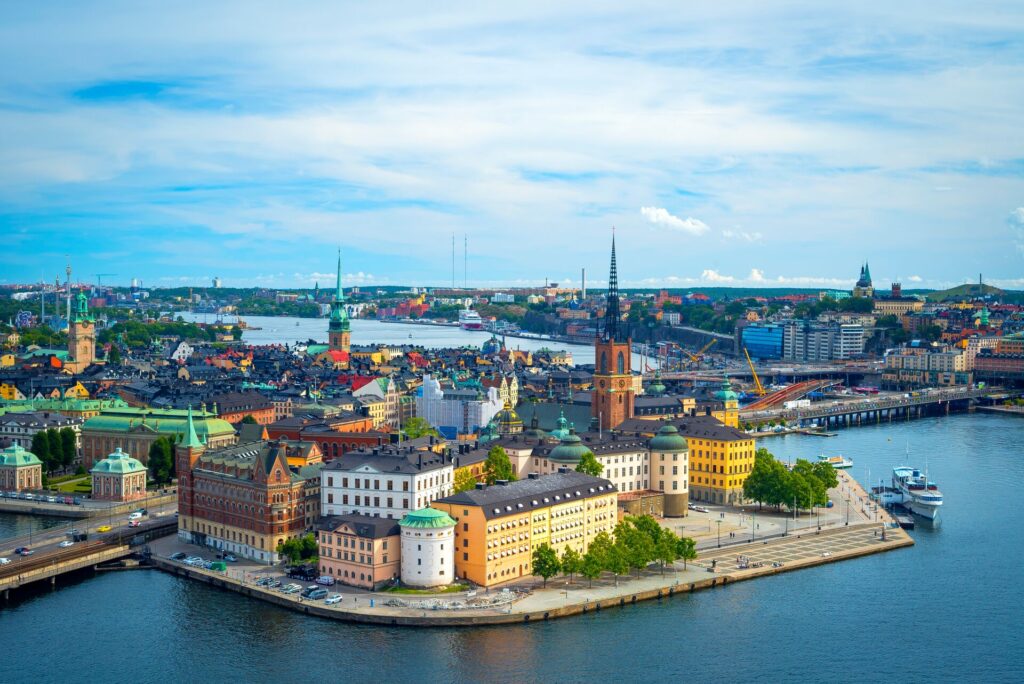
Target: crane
x: 99, y: 278
x: 696, y: 357
x: 757, y: 381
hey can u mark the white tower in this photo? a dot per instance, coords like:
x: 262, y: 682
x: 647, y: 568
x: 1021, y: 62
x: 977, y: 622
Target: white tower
x: 428, y: 548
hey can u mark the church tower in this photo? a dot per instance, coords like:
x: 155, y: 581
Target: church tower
x: 186, y: 453
x: 81, y: 335
x: 612, y: 397
x: 339, y: 337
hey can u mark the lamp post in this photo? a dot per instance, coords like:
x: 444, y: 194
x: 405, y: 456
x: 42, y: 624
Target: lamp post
x: 753, y: 524
x: 719, y: 533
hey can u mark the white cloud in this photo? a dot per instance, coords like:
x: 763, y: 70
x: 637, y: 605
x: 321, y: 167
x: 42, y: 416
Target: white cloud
x: 712, y: 276
x: 741, y: 235
x: 915, y: 279
x: 661, y: 217
x: 756, y: 276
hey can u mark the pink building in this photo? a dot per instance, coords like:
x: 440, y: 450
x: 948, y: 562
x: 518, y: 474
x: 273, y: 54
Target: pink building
x: 118, y: 477
x: 20, y: 469
x: 360, y: 550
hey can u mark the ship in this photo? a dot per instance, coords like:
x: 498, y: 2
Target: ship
x: 838, y: 462
x: 470, y: 320
x: 916, y: 492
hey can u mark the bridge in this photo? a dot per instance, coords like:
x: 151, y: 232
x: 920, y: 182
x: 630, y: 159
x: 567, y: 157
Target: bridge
x: 791, y: 393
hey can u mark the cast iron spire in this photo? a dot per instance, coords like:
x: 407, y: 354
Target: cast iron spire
x: 611, y: 312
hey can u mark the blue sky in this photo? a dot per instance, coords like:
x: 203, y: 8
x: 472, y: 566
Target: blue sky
x: 741, y: 143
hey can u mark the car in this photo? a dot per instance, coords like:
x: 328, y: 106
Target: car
x: 325, y: 580
x: 66, y: 543
x: 135, y: 515
x: 207, y: 564
x: 134, y: 523
x: 103, y: 528
x: 51, y: 499
x: 180, y: 555
x: 28, y: 497
x: 24, y: 551
x: 332, y: 599
x: 274, y: 583
x: 314, y: 593
x: 77, y: 501
x: 192, y: 560
x: 291, y: 588
x: 230, y: 558
x: 263, y: 581
x: 5, y: 561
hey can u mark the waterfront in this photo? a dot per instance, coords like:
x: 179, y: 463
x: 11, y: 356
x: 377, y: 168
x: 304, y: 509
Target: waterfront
x: 946, y: 608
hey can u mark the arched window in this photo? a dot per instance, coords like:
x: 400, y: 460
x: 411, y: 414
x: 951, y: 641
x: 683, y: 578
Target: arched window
x: 621, y: 364
x: 604, y: 362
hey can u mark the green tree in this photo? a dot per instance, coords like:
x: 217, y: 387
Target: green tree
x: 572, y: 562
x: 686, y: 548
x: 592, y: 566
x: 617, y: 560
x: 590, y: 465
x: 69, y: 446
x: 545, y: 562
x: 636, y: 544
x: 597, y: 558
x: 41, y: 448
x: 666, y: 548
x: 464, y: 480
x: 56, y: 444
x: 498, y: 466
x: 249, y: 420
x: 417, y: 427
x: 114, y: 356
x: 161, y: 460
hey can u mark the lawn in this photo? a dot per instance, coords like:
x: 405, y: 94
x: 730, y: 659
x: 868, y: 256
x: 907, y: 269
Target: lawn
x: 450, y: 589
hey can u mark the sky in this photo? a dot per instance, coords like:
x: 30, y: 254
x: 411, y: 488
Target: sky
x: 731, y: 143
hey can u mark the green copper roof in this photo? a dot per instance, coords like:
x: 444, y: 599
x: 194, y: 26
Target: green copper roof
x: 570, y: 450
x: 668, y: 439
x: 80, y: 313
x: 118, y: 462
x: 562, y: 431
x: 191, y: 438
x: 427, y: 518
x: 165, y: 421
x: 339, y: 316
x: 726, y: 393
x: 16, y: 456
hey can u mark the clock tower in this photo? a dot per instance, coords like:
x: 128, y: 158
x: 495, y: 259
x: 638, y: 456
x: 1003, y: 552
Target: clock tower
x: 338, y: 334
x: 612, y: 397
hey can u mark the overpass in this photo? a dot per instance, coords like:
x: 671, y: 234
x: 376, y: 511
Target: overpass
x: 791, y: 393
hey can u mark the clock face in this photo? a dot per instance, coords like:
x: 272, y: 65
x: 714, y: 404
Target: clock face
x: 602, y: 383
x: 622, y: 383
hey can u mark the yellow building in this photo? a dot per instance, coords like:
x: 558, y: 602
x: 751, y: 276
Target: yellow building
x: 498, y: 527
x: 6, y: 360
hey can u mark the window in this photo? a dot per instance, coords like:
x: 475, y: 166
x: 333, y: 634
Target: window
x: 661, y: 470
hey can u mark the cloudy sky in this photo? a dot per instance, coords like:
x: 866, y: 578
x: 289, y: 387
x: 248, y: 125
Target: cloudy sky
x: 728, y: 143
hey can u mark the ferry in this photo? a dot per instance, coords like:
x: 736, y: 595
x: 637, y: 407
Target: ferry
x: 838, y: 462
x: 470, y: 320
x: 916, y: 492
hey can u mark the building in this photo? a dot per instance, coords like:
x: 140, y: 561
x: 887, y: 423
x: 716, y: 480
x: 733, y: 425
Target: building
x: 804, y: 340
x: 498, y: 527
x: 895, y: 304
x: 133, y: 430
x: 338, y: 332
x: 428, y: 548
x: 118, y: 477
x: 456, y: 411
x: 243, y: 498
x: 20, y: 428
x: 380, y: 400
x: 864, y: 288
x: 360, y: 550
x: 613, y: 394
x: 763, y: 340
x: 81, y: 336
x: 20, y: 470
x: 384, y: 482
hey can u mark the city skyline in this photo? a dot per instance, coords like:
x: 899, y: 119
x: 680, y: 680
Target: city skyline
x: 759, y: 147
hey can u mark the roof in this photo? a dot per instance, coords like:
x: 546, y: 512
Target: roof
x: 569, y: 450
x: 427, y: 518
x: 403, y: 460
x: 123, y: 419
x: 668, y: 439
x: 536, y: 492
x: 361, y: 525
x: 17, y: 456
x: 691, y: 427
x: 118, y: 463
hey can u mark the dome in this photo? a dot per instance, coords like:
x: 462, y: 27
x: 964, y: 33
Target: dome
x: 118, y: 462
x: 508, y: 420
x: 562, y: 431
x: 726, y: 393
x: 657, y: 387
x: 427, y: 518
x: 17, y: 456
x: 668, y: 439
x: 491, y: 346
x: 569, y: 450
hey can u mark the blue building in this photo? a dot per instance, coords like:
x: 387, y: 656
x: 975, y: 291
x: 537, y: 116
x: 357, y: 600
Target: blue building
x: 763, y: 340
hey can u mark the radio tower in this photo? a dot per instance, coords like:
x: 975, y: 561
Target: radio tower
x: 68, y: 269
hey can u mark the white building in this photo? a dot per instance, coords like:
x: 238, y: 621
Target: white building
x: 19, y: 428
x: 428, y: 548
x: 456, y: 411
x: 384, y: 482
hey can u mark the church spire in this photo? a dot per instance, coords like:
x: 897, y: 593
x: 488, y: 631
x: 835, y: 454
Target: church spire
x: 191, y: 438
x: 612, y: 313
x: 339, y: 296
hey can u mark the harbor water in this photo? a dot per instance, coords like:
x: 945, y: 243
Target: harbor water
x: 946, y: 609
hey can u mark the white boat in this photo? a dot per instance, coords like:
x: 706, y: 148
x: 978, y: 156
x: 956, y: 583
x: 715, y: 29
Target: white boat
x: 470, y: 320
x: 838, y: 462
x: 916, y: 492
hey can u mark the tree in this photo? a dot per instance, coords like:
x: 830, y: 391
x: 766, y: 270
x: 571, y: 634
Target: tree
x: 161, y: 460
x: 617, y: 560
x: 545, y: 562
x: 498, y: 466
x: 572, y: 562
x: 596, y: 559
x: 591, y: 566
x: 417, y: 427
x: 114, y: 355
x: 69, y: 442
x: 464, y: 480
x: 666, y: 548
x: 41, y: 448
x: 56, y: 445
x: 249, y: 420
x: 299, y: 548
x: 686, y: 548
x: 636, y: 544
x: 590, y: 465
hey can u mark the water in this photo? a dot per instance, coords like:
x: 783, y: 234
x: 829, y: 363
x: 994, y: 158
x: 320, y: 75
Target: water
x: 14, y: 525
x: 948, y: 608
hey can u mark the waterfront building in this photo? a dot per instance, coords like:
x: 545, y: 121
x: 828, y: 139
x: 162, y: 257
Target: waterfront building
x: 118, y: 477
x: 864, y: 288
x: 20, y: 469
x: 133, y: 430
x: 454, y: 411
x: 498, y: 527
x: 614, y: 392
x: 81, y: 337
x: 359, y: 550
x: 243, y: 498
x: 384, y: 482
x: 428, y: 548
x: 338, y: 329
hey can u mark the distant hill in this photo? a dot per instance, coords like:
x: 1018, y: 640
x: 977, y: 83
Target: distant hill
x: 965, y: 291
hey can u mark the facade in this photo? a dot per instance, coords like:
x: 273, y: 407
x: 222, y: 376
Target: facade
x: 20, y: 470
x: 118, y: 477
x: 428, y: 548
x: 455, y: 412
x: 721, y: 458
x: 133, y: 430
x: 763, y: 340
x: 81, y: 336
x: 20, y: 428
x: 614, y: 393
x: 339, y: 336
x: 815, y: 341
x: 359, y: 550
x: 864, y: 288
x: 380, y: 399
x: 384, y: 482
x: 243, y: 498
x: 498, y: 527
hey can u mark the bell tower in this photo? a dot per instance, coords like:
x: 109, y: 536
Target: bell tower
x: 81, y: 335
x: 612, y: 397
x: 338, y: 334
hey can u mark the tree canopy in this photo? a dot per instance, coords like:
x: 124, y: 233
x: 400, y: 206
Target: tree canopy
x: 590, y: 465
x: 805, y: 485
x: 498, y: 466
x: 545, y: 562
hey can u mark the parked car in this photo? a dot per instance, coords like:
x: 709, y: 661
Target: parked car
x: 314, y: 593
x: 66, y: 543
x: 192, y: 560
x: 5, y: 561
x: 180, y: 555
x: 230, y: 558
x: 103, y: 528
x: 51, y: 499
x: 325, y: 580
x: 77, y: 501
x: 274, y: 583
x: 291, y: 588
x: 332, y: 599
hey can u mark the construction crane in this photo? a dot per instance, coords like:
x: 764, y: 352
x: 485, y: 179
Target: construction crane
x: 99, y: 278
x: 757, y: 381
x: 696, y: 357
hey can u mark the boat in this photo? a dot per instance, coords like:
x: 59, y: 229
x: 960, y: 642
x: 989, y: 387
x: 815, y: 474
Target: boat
x: 838, y: 462
x: 470, y: 320
x: 916, y: 492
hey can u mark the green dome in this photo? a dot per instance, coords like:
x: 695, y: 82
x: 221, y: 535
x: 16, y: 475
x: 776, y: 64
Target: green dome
x: 657, y: 387
x: 562, y: 431
x: 427, y: 518
x: 17, y: 456
x: 668, y: 440
x: 118, y: 462
x: 569, y: 450
x: 726, y: 393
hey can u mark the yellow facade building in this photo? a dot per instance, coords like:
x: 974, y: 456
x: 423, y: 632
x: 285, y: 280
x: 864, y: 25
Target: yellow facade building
x: 498, y: 527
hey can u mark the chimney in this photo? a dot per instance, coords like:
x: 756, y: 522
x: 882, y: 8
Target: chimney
x: 419, y: 460
x: 501, y: 483
x: 563, y: 470
x: 481, y: 485
x: 534, y: 476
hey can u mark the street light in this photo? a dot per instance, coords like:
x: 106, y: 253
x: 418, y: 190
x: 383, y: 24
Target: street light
x: 719, y: 533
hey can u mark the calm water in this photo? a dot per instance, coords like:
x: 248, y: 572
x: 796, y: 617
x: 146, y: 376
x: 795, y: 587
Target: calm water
x: 946, y: 609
